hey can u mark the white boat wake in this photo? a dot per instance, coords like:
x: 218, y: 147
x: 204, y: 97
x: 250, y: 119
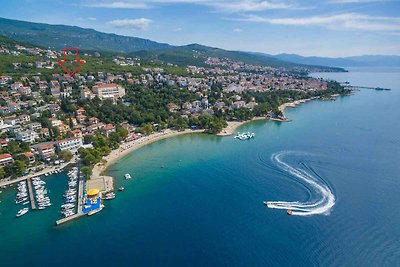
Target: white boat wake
x: 326, y: 199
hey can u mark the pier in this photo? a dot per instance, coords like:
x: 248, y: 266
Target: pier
x: 31, y: 195
x: 79, y: 212
x: 70, y: 218
x: 357, y: 87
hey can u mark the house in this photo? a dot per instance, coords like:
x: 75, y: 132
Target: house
x: 54, y: 108
x: 5, y: 159
x: 46, y: 151
x: 36, y: 126
x: 4, y: 110
x: 30, y: 156
x: 87, y: 94
x: 76, y: 133
x: 23, y: 118
x: 81, y: 118
x: 71, y: 144
x: 93, y: 120
x: 108, y: 128
x: 238, y: 104
x: 25, y: 90
x: 54, y: 122
x: 63, y: 129
x: 108, y: 91
x: 11, y: 120
x: 44, y: 133
x: 3, y: 142
x: 13, y: 107
x: 16, y: 86
x: 27, y: 136
x: 80, y: 111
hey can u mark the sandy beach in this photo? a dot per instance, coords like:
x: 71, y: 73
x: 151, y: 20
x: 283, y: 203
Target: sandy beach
x: 128, y: 147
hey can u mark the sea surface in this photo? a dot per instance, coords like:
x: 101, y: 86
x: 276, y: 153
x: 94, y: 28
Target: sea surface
x: 197, y: 200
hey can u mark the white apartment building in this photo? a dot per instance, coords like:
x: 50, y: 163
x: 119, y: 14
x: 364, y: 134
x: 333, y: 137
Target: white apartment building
x: 108, y: 91
x: 71, y: 144
x: 27, y: 136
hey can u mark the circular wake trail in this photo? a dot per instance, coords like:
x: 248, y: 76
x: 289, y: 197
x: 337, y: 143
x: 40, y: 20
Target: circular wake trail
x: 326, y: 199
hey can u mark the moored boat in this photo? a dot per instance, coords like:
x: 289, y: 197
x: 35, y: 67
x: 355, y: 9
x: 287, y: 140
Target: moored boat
x: 22, y: 212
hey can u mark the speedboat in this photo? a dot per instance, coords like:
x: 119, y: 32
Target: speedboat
x: 22, y: 212
x: 121, y: 188
x: 127, y: 176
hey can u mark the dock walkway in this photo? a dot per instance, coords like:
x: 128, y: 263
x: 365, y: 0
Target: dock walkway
x: 79, y: 211
x: 31, y: 195
x: 70, y: 218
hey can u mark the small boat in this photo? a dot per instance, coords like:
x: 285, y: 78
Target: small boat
x: 25, y: 203
x: 22, y: 212
x: 289, y: 212
x: 121, y: 188
x: 127, y: 176
x: 109, y: 196
x: 95, y: 211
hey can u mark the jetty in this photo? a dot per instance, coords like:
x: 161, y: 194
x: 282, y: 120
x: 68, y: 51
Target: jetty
x: 357, y: 87
x: 70, y: 218
x: 79, y: 209
x: 31, y: 195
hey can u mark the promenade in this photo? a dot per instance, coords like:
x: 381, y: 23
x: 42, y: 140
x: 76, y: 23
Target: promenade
x: 40, y: 173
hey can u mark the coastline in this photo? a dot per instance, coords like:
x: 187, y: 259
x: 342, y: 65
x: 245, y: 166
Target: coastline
x: 131, y: 146
x: 127, y: 148
x: 233, y: 125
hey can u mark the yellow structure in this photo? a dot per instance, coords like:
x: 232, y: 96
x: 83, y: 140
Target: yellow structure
x: 93, y: 192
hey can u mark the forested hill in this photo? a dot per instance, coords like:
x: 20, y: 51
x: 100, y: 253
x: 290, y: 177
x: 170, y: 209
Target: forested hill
x: 59, y: 36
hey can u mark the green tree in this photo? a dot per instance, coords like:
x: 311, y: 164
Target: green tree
x: 147, y: 129
x: 2, y: 173
x: 86, y: 172
x: 65, y: 155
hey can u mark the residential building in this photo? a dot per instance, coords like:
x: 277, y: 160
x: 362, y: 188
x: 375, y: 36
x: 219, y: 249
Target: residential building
x: 5, y: 159
x: 46, y: 151
x: 27, y: 136
x: 108, y: 91
x: 30, y: 156
x: 71, y: 144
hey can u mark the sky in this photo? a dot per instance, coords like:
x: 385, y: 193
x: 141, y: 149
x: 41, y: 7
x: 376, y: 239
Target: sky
x: 332, y: 28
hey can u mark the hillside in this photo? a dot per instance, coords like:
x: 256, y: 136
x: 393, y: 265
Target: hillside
x: 59, y: 36
x: 195, y: 54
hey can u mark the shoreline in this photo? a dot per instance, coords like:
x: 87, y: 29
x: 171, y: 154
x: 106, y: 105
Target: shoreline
x: 233, y: 125
x: 131, y: 146
x: 127, y: 148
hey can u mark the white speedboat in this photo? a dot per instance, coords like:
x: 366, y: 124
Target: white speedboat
x: 127, y: 176
x: 22, y: 212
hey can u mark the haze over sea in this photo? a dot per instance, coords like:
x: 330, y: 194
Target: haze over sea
x: 197, y: 200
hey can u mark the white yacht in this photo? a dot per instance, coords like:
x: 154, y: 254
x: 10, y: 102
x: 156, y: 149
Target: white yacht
x: 22, y: 212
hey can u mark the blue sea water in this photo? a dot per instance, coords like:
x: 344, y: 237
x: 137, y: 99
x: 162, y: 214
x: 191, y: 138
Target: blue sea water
x: 197, y: 200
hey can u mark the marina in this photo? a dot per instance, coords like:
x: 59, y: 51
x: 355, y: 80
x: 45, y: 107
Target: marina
x: 42, y: 199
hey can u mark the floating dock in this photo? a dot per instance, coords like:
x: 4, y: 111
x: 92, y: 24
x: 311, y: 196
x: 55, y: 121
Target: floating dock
x: 31, y: 195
